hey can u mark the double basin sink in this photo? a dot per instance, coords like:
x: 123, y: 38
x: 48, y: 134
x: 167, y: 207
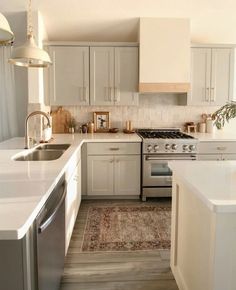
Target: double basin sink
x: 43, y: 152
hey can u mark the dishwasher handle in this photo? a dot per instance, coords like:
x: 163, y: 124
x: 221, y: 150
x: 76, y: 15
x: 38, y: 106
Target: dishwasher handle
x: 42, y: 227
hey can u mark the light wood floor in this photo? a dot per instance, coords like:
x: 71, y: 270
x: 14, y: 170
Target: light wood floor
x: 147, y: 270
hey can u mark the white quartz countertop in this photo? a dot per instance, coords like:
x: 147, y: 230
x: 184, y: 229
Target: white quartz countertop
x: 217, y: 135
x: 214, y: 182
x: 26, y: 185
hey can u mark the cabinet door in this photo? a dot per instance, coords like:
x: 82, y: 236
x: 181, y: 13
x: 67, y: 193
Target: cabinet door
x: 127, y: 175
x: 102, y: 75
x: 73, y: 200
x: 200, y: 76
x: 69, y: 76
x: 221, y: 76
x: 100, y: 173
x: 126, y: 76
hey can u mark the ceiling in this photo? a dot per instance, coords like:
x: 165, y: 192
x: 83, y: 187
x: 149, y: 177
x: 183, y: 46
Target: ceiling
x: 212, y: 21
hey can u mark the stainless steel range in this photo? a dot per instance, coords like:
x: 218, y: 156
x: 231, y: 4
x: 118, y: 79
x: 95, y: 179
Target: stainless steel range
x: 160, y: 146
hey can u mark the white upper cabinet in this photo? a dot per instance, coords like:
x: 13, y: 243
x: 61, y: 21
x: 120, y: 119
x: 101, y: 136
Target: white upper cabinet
x: 102, y: 75
x: 114, y: 75
x: 126, y: 76
x: 211, y: 76
x: 221, y: 76
x: 69, y: 75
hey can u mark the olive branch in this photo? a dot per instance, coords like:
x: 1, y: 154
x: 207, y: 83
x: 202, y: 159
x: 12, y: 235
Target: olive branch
x: 224, y: 114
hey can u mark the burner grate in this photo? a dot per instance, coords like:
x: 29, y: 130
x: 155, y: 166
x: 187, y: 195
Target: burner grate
x: 164, y: 135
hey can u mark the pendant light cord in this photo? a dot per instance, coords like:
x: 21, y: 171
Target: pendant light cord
x: 29, y: 19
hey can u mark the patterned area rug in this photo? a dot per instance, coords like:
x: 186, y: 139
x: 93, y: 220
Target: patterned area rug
x: 127, y: 228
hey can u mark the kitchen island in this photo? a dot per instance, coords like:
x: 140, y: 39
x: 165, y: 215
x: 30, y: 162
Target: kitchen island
x: 203, y: 234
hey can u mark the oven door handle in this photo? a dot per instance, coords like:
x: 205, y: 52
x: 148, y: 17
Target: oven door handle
x: 150, y: 158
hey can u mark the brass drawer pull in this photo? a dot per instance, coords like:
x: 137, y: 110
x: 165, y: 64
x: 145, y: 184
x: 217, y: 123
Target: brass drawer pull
x: 114, y: 149
x: 221, y: 148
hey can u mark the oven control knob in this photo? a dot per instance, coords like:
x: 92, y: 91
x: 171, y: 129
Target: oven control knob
x: 156, y: 148
x: 149, y: 148
x: 174, y: 146
x: 192, y: 147
x: 185, y: 147
x: 167, y: 146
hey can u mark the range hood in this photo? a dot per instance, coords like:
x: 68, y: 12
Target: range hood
x: 164, y: 58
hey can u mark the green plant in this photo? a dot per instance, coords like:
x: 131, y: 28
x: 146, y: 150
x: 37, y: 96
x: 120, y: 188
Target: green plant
x: 225, y: 113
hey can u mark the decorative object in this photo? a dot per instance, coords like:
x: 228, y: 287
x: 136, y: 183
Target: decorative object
x: 128, y: 132
x: 6, y: 34
x: 129, y: 126
x: 84, y: 128
x: 127, y: 228
x: 101, y: 121
x: 90, y: 127
x: 114, y: 130
x: 30, y: 55
x: 71, y: 125
x: 224, y: 114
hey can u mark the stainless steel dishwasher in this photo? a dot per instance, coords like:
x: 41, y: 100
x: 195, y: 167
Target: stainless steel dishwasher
x: 50, y: 240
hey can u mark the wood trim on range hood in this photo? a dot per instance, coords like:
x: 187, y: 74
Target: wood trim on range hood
x: 164, y: 87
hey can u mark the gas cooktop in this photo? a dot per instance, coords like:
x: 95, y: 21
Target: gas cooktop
x: 167, y: 141
x: 163, y: 134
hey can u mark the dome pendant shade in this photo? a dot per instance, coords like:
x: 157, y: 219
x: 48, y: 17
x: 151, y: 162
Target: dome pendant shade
x: 6, y: 35
x: 30, y: 55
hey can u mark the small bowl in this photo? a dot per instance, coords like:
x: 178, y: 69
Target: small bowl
x: 113, y: 130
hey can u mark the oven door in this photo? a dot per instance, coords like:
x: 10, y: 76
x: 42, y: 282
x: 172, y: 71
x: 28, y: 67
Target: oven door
x: 156, y: 171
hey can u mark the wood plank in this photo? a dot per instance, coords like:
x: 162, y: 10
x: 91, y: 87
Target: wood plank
x: 164, y: 87
x: 123, y: 285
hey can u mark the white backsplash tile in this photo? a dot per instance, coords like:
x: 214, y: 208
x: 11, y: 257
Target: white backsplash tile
x: 153, y: 111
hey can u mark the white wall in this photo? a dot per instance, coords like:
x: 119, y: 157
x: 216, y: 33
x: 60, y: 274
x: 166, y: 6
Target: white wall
x: 17, y: 22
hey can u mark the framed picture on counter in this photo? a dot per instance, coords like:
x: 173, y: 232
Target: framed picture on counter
x: 101, y: 121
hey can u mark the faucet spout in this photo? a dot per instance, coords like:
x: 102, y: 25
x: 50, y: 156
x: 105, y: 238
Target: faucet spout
x: 27, y: 125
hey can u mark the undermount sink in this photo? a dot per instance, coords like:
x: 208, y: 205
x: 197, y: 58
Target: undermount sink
x: 53, y: 147
x: 43, y: 152
x: 40, y: 155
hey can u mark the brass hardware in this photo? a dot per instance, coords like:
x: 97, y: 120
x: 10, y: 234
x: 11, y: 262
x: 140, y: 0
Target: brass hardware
x: 114, y: 149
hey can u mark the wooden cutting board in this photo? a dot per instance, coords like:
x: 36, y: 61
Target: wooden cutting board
x: 60, y: 120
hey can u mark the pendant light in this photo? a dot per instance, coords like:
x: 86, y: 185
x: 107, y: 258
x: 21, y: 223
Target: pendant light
x: 30, y: 55
x: 6, y: 35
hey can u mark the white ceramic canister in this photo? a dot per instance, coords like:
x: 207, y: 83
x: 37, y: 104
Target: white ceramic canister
x: 209, y: 126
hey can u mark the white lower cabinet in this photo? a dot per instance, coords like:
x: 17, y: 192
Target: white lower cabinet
x: 127, y: 175
x: 113, y: 174
x: 217, y: 150
x: 73, y: 199
x: 100, y: 175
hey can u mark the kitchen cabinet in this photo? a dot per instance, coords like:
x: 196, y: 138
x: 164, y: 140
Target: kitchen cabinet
x: 72, y: 202
x: 211, y: 76
x: 100, y: 175
x: 216, y: 150
x: 69, y: 75
x: 113, y: 170
x: 113, y: 76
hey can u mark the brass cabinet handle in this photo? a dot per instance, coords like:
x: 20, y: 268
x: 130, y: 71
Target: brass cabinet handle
x: 114, y: 149
x: 221, y: 148
x: 207, y: 94
x: 84, y: 94
x: 212, y: 99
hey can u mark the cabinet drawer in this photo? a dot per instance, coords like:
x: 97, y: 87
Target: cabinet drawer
x: 113, y: 148
x: 216, y: 147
